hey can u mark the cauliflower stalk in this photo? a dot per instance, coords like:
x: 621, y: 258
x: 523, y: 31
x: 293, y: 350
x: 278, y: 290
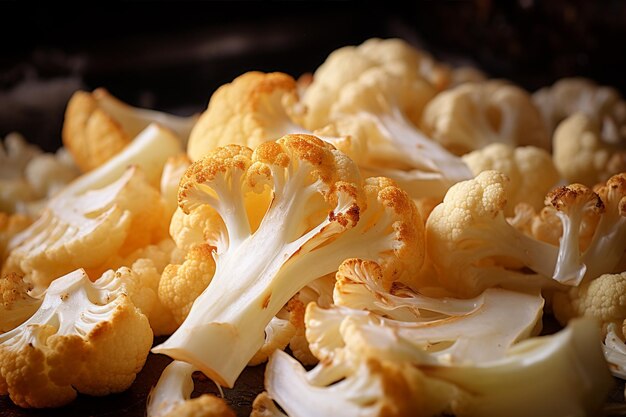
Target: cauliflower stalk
x: 86, y: 337
x: 319, y: 215
x: 560, y: 375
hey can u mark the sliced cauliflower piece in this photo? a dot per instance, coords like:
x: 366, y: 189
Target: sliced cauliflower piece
x: 559, y: 375
x: 474, y: 115
x: 584, y: 154
x: 530, y: 169
x: 84, y: 337
x: 87, y: 230
x: 603, y: 298
x: 319, y: 214
x: 104, y: 214
x: 98, y: 126
x: 377, y: 113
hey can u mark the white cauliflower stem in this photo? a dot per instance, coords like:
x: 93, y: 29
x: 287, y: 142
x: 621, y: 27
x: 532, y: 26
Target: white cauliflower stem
x: 315, y: 220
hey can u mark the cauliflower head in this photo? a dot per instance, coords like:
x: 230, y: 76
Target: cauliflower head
x: 254, y: 108
x: 582, y: 153
x: 474, y: 115
x: 84, y: 337
x: 87, y: 230
x: 319, y: 214
x: 345, y: 66
x: 473, y: 247
x: 98, y: 126
x: 530, y: 170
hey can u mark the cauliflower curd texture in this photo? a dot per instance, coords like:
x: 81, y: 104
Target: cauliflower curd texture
x: 388, y: 233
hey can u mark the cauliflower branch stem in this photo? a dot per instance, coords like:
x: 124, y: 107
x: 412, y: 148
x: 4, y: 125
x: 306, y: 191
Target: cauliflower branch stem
x: 421, y: 152
x: 502, y: 240
x: 254, y: 278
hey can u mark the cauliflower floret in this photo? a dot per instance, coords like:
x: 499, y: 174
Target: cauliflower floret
x: 87, y: 230
x: 98, y: 126
x: 603, y: 298
x: 107, y: 213
x: 173, y: 171
x: 252, y: 109
x: 16, y: 305
x: 582, y: 152
x: 530, y: 169
x: 559, y: 375
x: 316, y: 218
x: 474, y: 115
x: 347, y: 65
x: 473, y: 247
x: 86, y: 337
x: 580, y: 95
x: 29, y: 177
x: 180, y: 285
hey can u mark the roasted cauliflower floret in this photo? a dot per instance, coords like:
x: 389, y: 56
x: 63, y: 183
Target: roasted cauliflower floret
x: 84, y: 337
x: 98, y: 126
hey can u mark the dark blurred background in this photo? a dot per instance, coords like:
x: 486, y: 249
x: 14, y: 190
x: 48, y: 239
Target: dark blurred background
x: 172, y: 56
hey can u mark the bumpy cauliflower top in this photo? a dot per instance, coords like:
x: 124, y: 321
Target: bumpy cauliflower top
x: 473, y: 115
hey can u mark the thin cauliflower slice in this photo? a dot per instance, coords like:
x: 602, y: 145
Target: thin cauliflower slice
x: 86, y: 230
x: 464, y: 331
x: 98, y: 126
x: 316, y: 218
x: 559, y: 375
x: 86, y: 337
x: 106, y: 213
x: 474, y: 115
x: 254, y: 108
x: 530, y: 169
x: 583, y: 153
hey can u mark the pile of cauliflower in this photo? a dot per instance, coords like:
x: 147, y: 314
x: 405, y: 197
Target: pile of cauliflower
x: 387, y: 234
